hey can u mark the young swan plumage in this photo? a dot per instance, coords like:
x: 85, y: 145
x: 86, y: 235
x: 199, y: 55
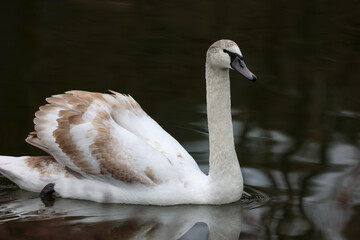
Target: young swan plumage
x: 105, y: 148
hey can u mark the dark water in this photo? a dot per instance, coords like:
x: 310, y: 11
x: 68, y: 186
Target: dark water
x: 297, y: 129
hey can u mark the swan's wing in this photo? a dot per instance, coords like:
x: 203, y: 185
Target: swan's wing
x: 128, y: 114
x: 79, y: 130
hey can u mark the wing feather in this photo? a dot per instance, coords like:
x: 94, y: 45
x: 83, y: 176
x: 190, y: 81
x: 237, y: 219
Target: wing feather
x: 128, y: 114
x: 80, y: 130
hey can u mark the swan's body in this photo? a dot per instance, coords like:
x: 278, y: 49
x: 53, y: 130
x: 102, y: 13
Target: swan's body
x: 105, y: 148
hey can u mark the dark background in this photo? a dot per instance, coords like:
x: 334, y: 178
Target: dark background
x: 297, y: 129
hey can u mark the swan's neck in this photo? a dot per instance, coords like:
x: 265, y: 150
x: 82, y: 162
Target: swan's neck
x: 224, y: 165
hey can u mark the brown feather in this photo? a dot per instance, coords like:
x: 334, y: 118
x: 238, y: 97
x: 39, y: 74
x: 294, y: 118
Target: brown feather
x: 41, y: 164
x: 70, y: 108
x: 111, y: 162
x: 65, y: 142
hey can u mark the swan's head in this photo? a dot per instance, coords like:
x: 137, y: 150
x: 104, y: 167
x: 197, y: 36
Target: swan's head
x: 225, y: 54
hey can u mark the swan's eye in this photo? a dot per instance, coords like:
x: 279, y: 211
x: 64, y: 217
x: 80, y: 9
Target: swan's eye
x: 233, y: 55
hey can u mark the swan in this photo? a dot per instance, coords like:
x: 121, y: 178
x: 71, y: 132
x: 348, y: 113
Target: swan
x: 105, y: 148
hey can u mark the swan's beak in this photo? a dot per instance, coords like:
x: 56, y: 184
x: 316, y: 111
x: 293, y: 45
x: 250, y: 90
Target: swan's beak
x: 240, y: 66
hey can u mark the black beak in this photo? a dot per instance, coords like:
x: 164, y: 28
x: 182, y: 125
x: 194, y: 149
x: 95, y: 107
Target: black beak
x: 240, y: 66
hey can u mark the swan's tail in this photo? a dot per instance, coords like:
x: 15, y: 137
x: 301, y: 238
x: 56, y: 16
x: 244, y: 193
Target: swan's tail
x: 31, y: 173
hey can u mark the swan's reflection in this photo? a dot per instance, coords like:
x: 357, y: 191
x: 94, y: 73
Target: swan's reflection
x: 132, y: 221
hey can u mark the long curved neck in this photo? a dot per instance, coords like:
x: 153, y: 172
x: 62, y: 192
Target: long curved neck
x: 224, y: 165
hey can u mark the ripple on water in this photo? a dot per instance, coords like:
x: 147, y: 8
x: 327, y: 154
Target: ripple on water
x: 253, y: 198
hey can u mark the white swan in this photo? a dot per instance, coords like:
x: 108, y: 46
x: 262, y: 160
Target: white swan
x: 105, y: 148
